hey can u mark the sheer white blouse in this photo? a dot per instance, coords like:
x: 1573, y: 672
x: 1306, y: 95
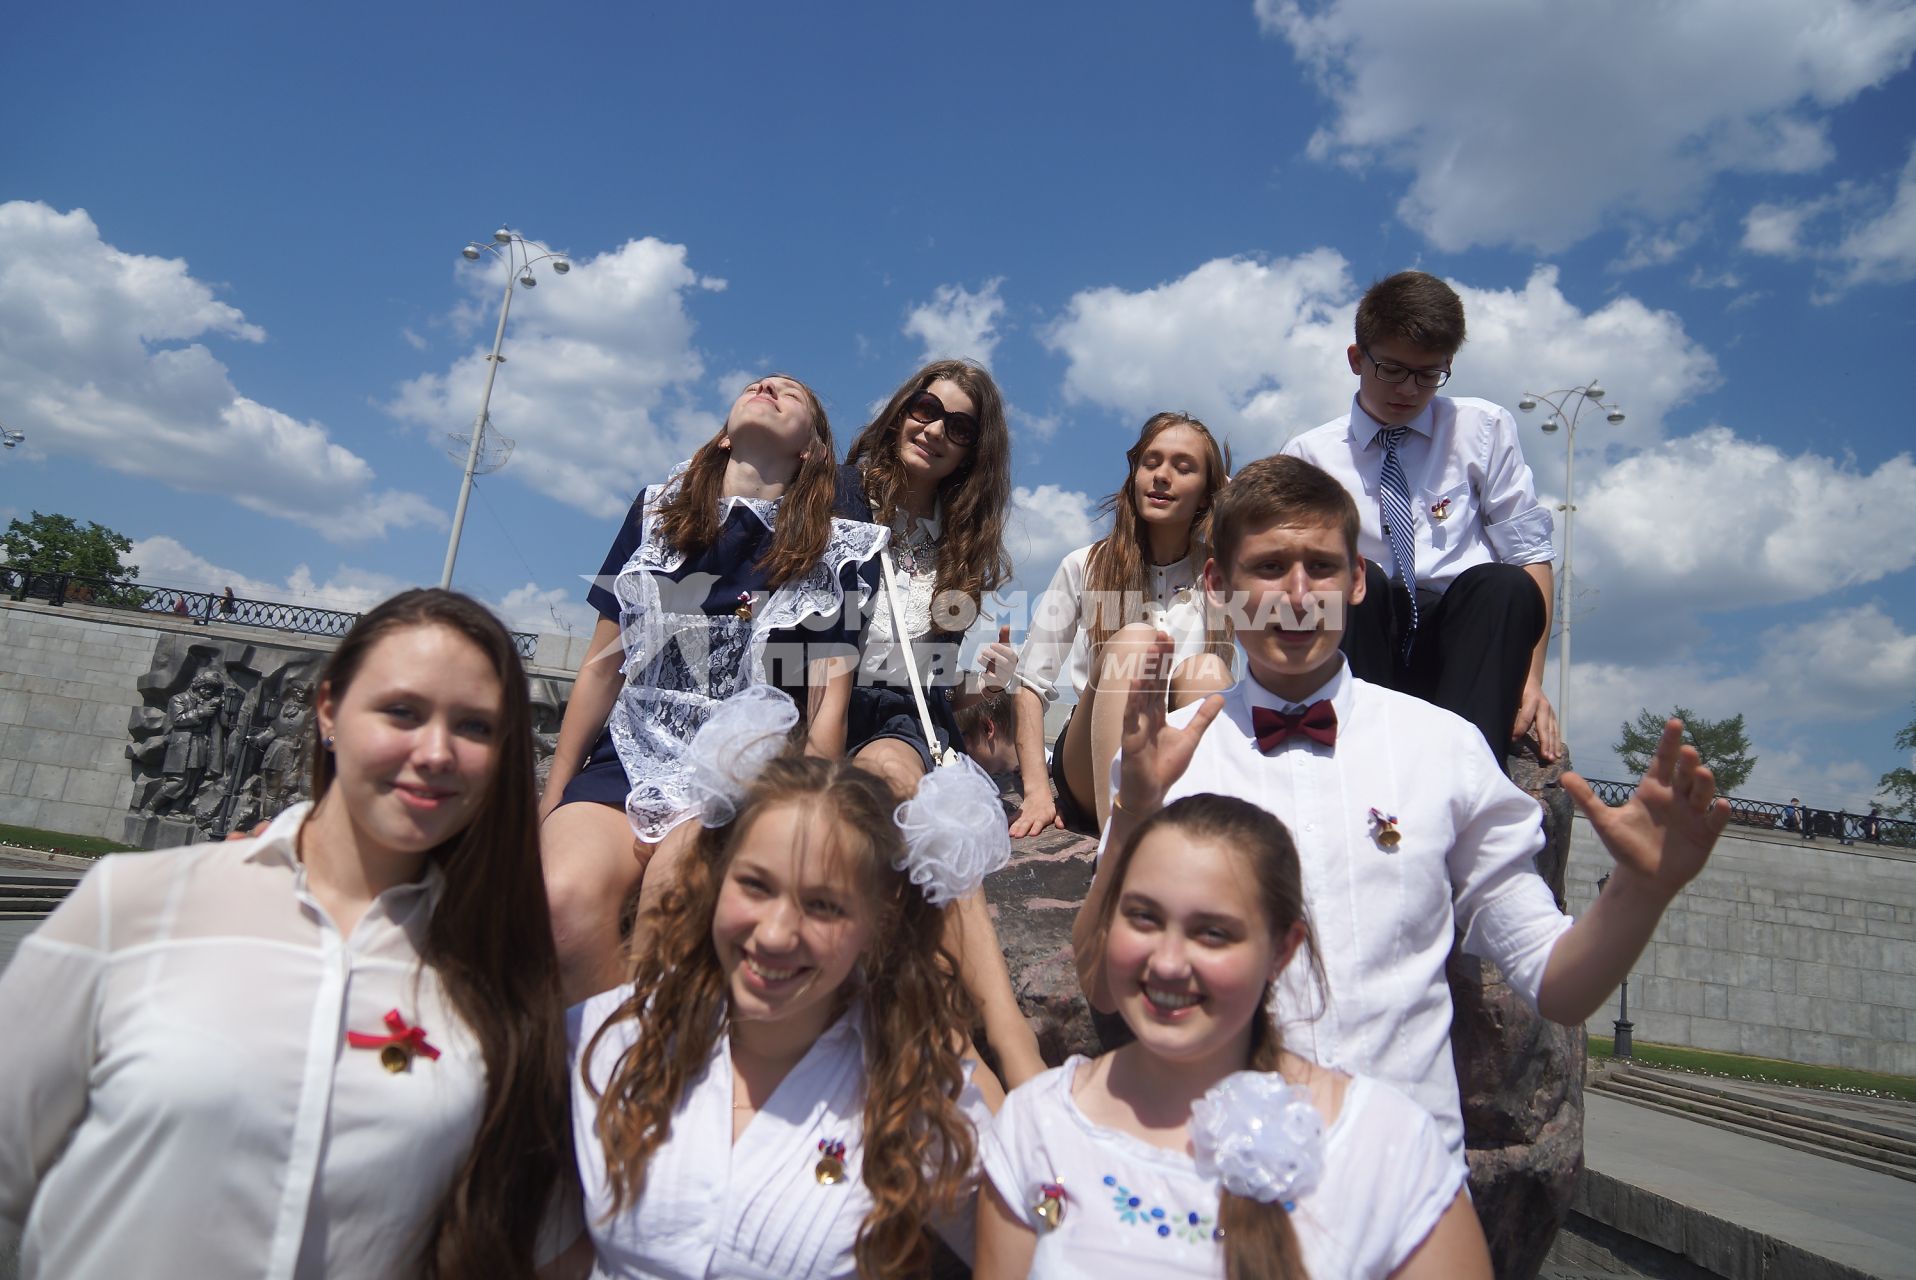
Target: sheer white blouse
x: 180, y: 1098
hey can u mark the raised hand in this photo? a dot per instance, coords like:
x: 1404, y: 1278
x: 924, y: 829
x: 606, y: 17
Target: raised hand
x: 1664, y: 835
x: 1152, y: 755
x: 998, y: 662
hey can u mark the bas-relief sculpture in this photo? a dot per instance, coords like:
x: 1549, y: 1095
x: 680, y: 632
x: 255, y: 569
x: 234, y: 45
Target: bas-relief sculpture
x: 221, y: 743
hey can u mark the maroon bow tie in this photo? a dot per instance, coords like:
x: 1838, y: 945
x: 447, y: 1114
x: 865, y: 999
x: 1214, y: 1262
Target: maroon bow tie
x: 1318, y: 722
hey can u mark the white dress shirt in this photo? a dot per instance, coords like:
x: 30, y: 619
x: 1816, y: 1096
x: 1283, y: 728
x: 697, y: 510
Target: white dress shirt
x: 180, y: 1100
x: 1470, y: 490
x: 1386, y: 918
x: 746, y: 1210
x: 1057, y: 648
x: 1135, y: 1209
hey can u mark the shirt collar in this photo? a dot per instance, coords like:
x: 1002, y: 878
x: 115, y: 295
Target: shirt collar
x: 1337, y: 689
x: 278, y: 846
x: 1365, y: 429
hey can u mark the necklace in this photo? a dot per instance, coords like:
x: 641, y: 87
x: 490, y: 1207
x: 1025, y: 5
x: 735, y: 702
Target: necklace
x: 917, y: 549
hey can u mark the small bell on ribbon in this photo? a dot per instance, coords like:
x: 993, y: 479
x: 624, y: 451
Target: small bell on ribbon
x: 395, y: 1058
x: 1050, y: 1206
x: 744, y: 610
x: 398, y: 1047
x: 830, y: 1169
x: 1383, y: 829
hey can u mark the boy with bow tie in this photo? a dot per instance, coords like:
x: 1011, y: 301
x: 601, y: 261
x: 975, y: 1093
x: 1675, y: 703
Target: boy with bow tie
x: 1407, y: 829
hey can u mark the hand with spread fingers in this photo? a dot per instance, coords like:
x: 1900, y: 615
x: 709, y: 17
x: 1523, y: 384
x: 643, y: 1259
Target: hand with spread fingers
x: 1664, y: 835
x: 1153, y: 755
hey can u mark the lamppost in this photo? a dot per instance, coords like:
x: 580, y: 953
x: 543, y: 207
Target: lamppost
x: 520, y: 256
x: 1566, y: 406
x: 11, y: 438
x: 1622, y: 1048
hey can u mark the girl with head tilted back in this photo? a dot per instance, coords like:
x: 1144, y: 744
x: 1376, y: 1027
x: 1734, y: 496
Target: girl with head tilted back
x: 334, y: 1049
x: 779, y: 1091
x: 1095, y: 621
x: 734, y: 571
x: 934, y: 467
x: 1204, y: 1148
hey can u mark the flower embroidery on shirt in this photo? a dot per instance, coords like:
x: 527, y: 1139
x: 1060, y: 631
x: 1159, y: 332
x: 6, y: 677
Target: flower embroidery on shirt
x: 1195, y: 1228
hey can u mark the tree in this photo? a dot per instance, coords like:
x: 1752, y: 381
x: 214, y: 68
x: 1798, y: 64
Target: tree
x: 61, y: 544
x: 1722, y: 743
x: 1897, y: 790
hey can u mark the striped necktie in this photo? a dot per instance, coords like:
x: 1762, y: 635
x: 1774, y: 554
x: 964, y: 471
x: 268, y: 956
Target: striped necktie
x: 1400, y: 528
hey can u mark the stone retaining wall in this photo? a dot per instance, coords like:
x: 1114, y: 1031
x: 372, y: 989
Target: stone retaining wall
x: 1780, y: 949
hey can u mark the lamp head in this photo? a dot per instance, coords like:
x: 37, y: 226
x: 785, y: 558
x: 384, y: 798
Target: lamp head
x: 1615, y: 415
x: 527, y: 279
x: 503, y: 235
x: 1594, y: 391
x: 470, y: 253
x: 1551, y: 424
x: 1528, y: 403
x: 561, y: 266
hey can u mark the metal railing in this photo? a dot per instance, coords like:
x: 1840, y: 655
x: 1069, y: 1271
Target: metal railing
x: 200, y: 607
x: 1772, y: 815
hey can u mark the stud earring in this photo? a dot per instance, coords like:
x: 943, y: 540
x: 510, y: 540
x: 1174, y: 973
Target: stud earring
x: 329, y: 742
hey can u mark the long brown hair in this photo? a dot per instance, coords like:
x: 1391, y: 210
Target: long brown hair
x: 689, y: 518
x: 1259, y: 1241
x: 971, y: 551
x: 1114, y: 571
x: 490, y: 942
x: 918, y: 1144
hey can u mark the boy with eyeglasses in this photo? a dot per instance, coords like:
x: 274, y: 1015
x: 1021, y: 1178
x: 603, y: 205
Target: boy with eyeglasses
x: 1457, y: 548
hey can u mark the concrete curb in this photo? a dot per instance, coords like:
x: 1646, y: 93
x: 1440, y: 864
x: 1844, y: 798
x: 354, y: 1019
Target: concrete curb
x: 1723, y: 1248
x: 51, y: 859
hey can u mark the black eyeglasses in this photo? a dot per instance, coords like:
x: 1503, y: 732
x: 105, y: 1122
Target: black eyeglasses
x: 1392, y: 372
x: 960, y: 428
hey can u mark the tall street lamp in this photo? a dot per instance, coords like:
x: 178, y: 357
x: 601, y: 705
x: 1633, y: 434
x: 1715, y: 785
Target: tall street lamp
x: 520, y: 256
x: 1566, y: 406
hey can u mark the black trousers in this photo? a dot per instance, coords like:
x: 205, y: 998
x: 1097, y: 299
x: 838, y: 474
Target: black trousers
x: 1473, y: 644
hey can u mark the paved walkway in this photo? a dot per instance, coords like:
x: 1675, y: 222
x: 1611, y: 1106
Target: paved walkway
x: 1726, y: 1185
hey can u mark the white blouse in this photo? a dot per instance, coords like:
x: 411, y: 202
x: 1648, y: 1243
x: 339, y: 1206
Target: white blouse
x: 1059, y: 641
x: 1134, y: 1209
x: 180, y: 1097
x: 747, y: 1210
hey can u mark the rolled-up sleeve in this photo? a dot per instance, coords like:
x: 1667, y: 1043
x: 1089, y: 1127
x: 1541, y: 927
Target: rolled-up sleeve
x: 1515, y: 524
x: 1504, y: 909
x: 1054, y: 628
x: 49, y: 997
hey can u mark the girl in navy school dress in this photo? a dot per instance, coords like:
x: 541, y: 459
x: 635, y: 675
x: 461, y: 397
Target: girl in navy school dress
x: 934, y: 466
x: 734, y: 571
x: 779, y: 1091
x: 1204, y: 1148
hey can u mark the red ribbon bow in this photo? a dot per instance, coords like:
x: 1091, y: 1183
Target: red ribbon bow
x: 1318, y: 722
x: 411, y: 1039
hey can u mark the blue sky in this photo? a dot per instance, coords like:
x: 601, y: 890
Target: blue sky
x: 234, y: 323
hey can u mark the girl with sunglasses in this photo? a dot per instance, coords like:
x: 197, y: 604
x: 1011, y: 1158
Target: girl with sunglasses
x: 934, y: 467
x: 779, y: 1091
x: 732, y: 572
x: 1096, y: 621
x: 332, y: 1049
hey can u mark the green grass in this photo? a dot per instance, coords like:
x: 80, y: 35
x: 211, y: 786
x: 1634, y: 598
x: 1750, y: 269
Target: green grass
x: 1766, y: 1070
x: 59, y: 842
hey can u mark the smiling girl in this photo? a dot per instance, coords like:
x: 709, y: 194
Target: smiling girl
x: 779, y: 1092
x: 334, y: 1049
x: 731, y: 573
x: 1094, y: 622
x: 1204, y: 1148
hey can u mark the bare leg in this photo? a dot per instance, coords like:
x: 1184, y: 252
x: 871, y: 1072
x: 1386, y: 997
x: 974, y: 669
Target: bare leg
x: 660, y: 865
x: 1118, y: 667
x: 589, y: 869
x: 970, y: 936
x: 1199, y: 676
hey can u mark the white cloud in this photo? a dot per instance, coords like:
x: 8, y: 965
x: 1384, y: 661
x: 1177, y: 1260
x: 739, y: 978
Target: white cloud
x: 601, y: 380
x: 1712, y: 521
x: 554, y: 611
x: 1256, y: 349
x: 1045, y: 523
x: 1859, y: 233
x: 1883, y: 249
x: 1531, y: 122
x: 91, y: 365
x: 1777, y: 229
x: 1659, y: 247
x: 958, y: 323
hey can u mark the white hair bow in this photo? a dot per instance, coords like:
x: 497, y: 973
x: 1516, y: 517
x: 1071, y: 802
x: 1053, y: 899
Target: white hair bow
x: 1259, y: 1137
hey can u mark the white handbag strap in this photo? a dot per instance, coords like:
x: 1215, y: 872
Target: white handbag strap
x: 903, y: 641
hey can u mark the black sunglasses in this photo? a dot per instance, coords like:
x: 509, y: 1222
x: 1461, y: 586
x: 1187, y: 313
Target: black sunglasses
x: 960, y: 428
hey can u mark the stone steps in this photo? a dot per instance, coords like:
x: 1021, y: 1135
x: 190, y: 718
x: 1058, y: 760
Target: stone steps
x: 1878, y: 1147
x: 32, y: 897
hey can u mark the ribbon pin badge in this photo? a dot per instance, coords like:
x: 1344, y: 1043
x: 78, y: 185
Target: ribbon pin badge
x: 830, y: 1169
x: 1441, y: 510
x: 1383, y: 829
x: 1050, y: 1206
x: 399, y: 1047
